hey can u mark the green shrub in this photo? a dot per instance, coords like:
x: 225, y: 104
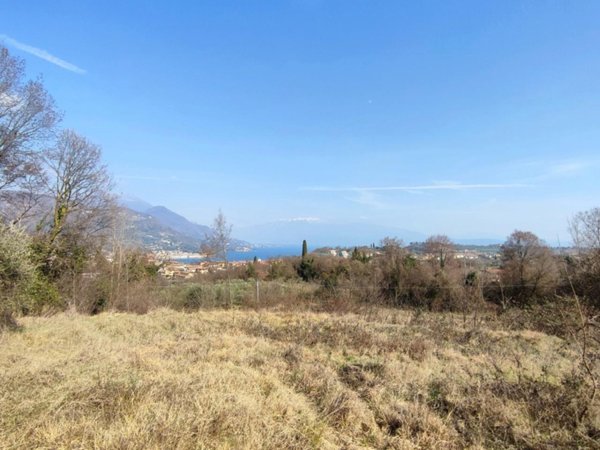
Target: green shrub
x: 23, y: 289
x: 41, y: 295
x: 17, y: 270
x: 196, y: 296
x: 213, y: 295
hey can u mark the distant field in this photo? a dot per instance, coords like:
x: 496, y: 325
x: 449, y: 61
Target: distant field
x: 242, y: 379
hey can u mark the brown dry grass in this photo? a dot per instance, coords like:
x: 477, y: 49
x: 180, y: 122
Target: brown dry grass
x: 245, y: 379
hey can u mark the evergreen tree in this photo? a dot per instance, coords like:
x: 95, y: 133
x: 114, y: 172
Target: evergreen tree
x: 306, y: 269
x: 360, y: 256
x: 304, y: 249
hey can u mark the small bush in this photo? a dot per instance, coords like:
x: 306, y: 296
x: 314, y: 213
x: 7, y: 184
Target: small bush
x: 7, y: 321
x: 212, y: 295
x: 559, y: 317
x: 17, y: 271
x: 42, y: 296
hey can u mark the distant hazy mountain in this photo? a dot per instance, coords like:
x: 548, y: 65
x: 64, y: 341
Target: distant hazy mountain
x: 159, y: 228
x: 151, y: 234
x: 135, y: 204
x: 178, y: 223
x: 480, y: 241
x: 319, y: 233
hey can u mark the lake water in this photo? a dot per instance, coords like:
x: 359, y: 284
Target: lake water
x: 262, y: 253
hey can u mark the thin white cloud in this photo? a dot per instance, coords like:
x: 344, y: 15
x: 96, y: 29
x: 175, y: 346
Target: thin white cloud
x: 569, y: 168
x: 368, y: 195
x: 417, y: 188
x: 42, y: 54
x: 368, y: 198
x: 167, y: 179
x: 538, y: 171
x: 301, y: 219
x: 565, y: 169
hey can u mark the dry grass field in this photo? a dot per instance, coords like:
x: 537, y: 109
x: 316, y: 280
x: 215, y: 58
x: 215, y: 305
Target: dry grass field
x: 243, y: 379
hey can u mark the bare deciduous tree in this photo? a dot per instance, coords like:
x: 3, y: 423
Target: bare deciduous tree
x: 80, y: 189
x: 585, y: 229
x: 529, y: 269
x: 585, y: 232
x: 80, y: 186
x: 25, y: 201
x: 440, y: 247
x: 217, y: 242
x: 28, y: 116
x: 121, y: 246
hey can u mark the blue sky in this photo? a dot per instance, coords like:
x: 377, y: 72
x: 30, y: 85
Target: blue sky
x: 465, y: 118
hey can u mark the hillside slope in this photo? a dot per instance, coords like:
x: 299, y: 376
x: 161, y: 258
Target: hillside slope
x: 149, y: 233
x: 241, y: 379
x: 159, y: 228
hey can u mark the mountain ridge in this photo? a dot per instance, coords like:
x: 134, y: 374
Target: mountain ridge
x: 156, y: 227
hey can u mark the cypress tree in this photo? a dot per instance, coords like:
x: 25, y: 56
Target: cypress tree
x: 304, y: 249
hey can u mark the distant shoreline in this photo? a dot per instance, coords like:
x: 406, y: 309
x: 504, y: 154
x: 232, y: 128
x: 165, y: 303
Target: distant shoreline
x: 262, y: 253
